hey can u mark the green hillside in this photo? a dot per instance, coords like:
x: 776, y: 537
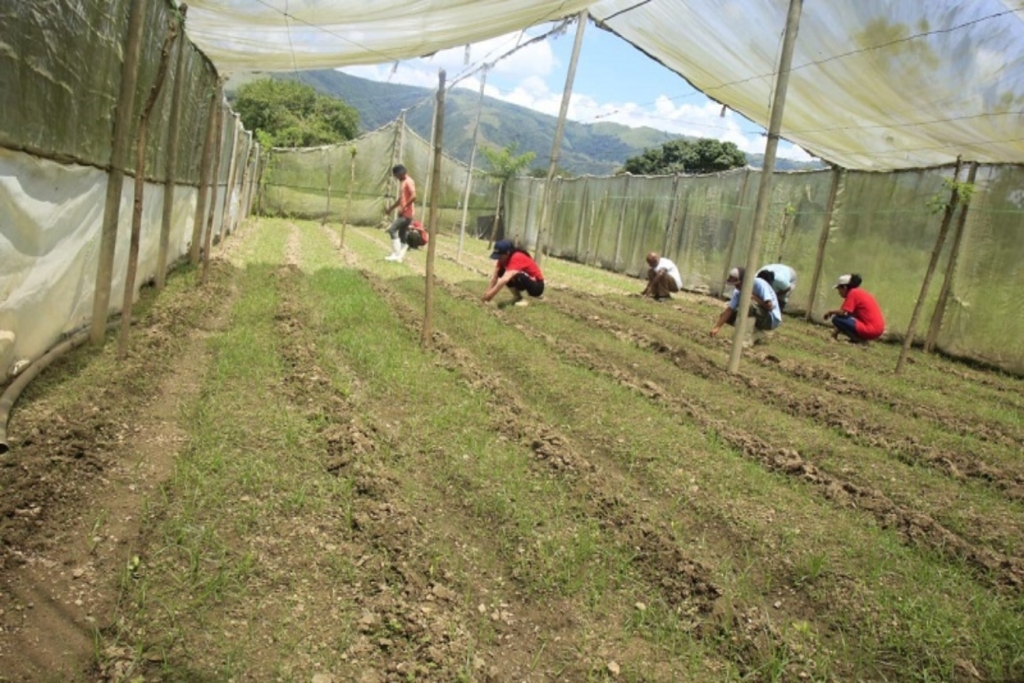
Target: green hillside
x: 596, y: 149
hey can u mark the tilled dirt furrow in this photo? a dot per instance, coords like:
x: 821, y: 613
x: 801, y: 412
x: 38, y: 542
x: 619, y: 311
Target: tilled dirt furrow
x: 413, y: 623
x: 681, y: 580
x: 997, y: 568
x: 822, y: 377
x: 821, y: 409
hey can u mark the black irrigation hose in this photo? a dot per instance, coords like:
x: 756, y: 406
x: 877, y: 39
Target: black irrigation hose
x: 10, y: 396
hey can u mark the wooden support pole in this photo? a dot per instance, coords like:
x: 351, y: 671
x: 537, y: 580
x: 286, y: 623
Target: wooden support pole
x: 351, y: 184
x: 115, y: 178
x: 243, y: 183
x: 140, y: 188
x: 218, y: 151
x: 204, y: 179
x: 584, y: 197
x: 838, y: 175
x: 765, y: 186
x: 622, y: 221
x: 171, y: 168
x: 327, y: 207
x: 469, y: 173
x: 556, y: 145
x: 225, y: 212
x: 673, y: 207
x: 731, y: 249
x: 432, y: 219
x: 954, y: 255
x: 940, y: 241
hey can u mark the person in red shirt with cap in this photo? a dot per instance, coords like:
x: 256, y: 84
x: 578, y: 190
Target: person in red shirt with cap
x: 515, y: 269
x: 859, y: 318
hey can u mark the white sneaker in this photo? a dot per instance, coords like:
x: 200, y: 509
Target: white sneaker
x: 392, y: 257
x: 401, y: 252
x: 520, y: 302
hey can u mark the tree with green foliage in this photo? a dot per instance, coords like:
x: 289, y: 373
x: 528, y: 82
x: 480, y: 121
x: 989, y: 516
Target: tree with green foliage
x: 287, y: 113
x: 703, y: 155
x: 505, y: 165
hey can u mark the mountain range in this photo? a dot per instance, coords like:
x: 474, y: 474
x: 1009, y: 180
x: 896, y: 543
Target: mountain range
x: 593, y: 148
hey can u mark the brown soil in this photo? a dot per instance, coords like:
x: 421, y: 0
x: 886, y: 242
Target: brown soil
x: 94, y: 441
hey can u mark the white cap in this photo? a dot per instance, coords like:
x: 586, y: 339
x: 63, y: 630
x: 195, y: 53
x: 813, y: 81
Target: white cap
x: 842, y: 281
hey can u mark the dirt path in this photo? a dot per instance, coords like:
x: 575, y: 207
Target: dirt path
x: 82, y: 468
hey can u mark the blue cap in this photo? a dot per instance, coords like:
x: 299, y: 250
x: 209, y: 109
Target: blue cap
x: 502, y: 247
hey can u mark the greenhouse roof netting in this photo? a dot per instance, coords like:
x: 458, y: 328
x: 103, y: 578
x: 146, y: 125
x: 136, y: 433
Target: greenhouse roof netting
x: 875, y: 84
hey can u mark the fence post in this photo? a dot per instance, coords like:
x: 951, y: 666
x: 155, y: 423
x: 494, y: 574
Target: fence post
x: 954, y: 253
x: 764, y: 187
x: 215, y: 172
x: 826, y: 229
x: 115, y: 178
x: 432, y: 220
x: 940, y: 240
x: 469, y: 173
x: 171, y: 168
x: 622, y: 220
x: 139, y: 190
x: 673, y: 207
x: 556, y: 144
x: 225, y: 211
x: 204, y: 180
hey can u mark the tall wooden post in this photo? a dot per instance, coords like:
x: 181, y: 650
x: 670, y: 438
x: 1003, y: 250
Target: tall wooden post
x: 351, y: 184
x: 730, y: 250
x: 204, y: 179
x: 838, y: 175
x: 327, y: 208
x: 115, y: 178
x: 622, y: 221
x: 139, y: 190
x: 765, y: 186
x: 229, y: 187
x: 432, y: 219
x: 940, y: 241
x: 171, y: 168
x: 472, y: 159
x: 954, y: 254
x: 673, y: 207
x: 218, y: 151
x: 556, y: 145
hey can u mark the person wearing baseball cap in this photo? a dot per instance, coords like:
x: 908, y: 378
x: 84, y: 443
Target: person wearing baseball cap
x: 515, y: 269
x: 764, y: 306
x: 860, y: 317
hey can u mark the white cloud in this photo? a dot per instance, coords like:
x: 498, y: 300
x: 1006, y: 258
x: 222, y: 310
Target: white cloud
x: 523, y: 79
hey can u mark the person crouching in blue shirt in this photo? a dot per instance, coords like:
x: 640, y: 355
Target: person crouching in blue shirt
x: 764, y: 306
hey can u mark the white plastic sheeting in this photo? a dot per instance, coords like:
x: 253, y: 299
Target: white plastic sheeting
x: 875, y: 85
x: 49, y: 247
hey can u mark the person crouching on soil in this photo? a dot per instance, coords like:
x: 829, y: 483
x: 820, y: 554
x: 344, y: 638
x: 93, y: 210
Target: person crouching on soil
x: 783, y: 281
x: 859, y: 318
x: 515, y: 269
x: 662, y: 278
x: 764, y: 306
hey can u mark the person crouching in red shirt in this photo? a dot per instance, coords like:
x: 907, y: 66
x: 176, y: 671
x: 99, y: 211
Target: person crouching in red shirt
x: 859, y: 318
x: 515, y: 269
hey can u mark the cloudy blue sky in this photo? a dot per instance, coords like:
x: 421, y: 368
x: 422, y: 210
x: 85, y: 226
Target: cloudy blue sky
x: 614, y: 82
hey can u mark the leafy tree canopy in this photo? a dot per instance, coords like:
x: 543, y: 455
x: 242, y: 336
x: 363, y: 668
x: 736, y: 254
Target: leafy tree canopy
x: 703, y: 155
x: 287, y: 113
x: 505, y: 164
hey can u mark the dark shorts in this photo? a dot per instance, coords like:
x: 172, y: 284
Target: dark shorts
x: 762, y: 318
x: 523, y: 282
